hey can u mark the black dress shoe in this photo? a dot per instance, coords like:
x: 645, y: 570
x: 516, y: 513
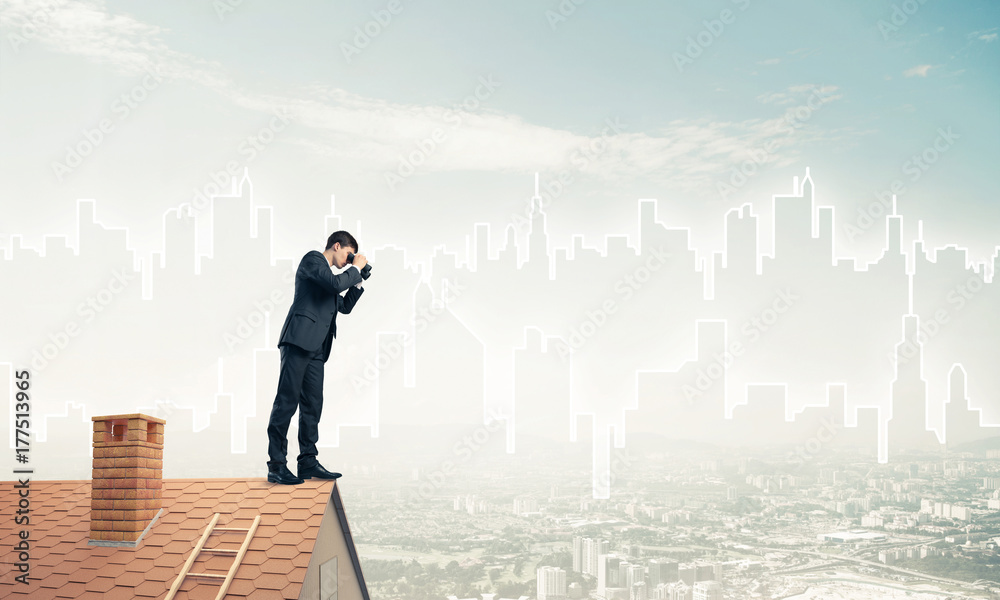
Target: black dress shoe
x: 284, y: 476
x: 317, y: 471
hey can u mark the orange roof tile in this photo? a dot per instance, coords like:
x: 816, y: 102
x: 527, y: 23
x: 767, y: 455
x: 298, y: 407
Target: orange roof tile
x: 63, y: 565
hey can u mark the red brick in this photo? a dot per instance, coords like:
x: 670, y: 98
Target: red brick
x: 138, y: 504
x: 127, y: 483
x: 146, y: 514
x: 100, y: 525
x: 126, y: 504
x: 101, y: 484
x: 143, y: 493
x: 138, y: 473
x: 105, y: 535
x: 100, y: 504
x: 108, y: 473
x: 107, y: 493
x: 104, y: 463
x: 129, y: 526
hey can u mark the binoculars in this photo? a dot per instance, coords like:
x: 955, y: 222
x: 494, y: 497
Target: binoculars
x: 365, y: 272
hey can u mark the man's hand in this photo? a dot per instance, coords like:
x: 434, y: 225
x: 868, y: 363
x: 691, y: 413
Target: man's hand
x: 360, y: 261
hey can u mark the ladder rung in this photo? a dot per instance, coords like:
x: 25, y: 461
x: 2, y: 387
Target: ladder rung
x: 200, y: 547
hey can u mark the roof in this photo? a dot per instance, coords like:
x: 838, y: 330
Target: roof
x: 63, y: 564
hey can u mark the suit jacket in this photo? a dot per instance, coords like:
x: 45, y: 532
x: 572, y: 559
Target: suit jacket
x: 311, y: 322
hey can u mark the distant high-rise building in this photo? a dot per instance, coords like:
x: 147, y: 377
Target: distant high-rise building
x: 525, y: 505
x: 662, y: 570
x: 704, y: 572
x: 578, y: 554
x: 551, y: 583
x: 634, y: 574
x: 608, y: 574
x: 592, y: 550
x: 707, y: 590
x: 623, y: 571
x: 686, y: 574
x: 908, y: 393
x: 475, y: 506
x: 637, y: 591
x: 678, y: 591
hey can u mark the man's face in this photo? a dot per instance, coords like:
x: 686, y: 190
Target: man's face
x: 340, y: 255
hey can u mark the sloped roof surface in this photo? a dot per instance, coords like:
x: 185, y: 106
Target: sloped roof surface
x: 63, y: 565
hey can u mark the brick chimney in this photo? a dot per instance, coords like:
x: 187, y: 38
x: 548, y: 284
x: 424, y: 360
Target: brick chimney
x: 126, y: 494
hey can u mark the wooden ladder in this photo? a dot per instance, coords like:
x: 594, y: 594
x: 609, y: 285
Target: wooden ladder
x: 200, y: 547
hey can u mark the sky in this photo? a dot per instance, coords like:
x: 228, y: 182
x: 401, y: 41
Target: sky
x: 423, y: 118
x: 416, y: 122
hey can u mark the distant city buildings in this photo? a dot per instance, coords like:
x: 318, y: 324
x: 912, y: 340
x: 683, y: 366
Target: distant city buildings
x: 674, y: 591
x: 851, y: 537
x: 194, y: 290
x: 892, y: 556
x: 627, y: 576
x: 706, y: 590
x: 471, y: 504
x: 609, y: 576
x: 945, y: 510
x: 551, y: 583
x: 662, y: 570
x: 525, y: 505
x: 586, y: 554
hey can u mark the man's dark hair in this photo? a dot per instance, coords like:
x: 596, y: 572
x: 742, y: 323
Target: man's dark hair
x: 344, y: 238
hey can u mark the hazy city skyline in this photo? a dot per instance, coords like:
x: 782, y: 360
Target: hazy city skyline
x: 381, y: 377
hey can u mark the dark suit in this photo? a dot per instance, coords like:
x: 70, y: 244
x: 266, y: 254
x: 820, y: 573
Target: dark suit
x: 305, y: 343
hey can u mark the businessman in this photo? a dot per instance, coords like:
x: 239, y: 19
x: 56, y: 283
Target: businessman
x: 305, y: 342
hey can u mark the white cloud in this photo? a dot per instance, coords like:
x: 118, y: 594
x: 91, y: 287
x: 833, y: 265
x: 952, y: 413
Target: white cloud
x: 917, y: 71
x: 799, y: 93
x: 85, y: 28
x: 769, y: 61
x: 986, y: 35
x: 374, y: 133
x: 775, y: 98
x: 803, y: 52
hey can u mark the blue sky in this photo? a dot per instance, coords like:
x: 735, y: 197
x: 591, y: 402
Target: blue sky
x: 880, y: 95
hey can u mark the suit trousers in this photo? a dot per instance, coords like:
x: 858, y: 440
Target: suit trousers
x: 300, y: 385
